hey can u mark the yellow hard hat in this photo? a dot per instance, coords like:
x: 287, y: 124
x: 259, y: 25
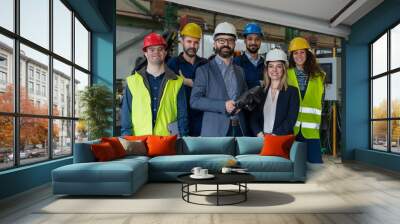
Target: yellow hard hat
x: 191, y: 30
x: 298, y: 43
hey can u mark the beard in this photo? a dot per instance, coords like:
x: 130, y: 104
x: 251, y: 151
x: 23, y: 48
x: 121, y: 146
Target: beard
x: 191, y: 52
x: 224, y: 52
x: 253, y: 48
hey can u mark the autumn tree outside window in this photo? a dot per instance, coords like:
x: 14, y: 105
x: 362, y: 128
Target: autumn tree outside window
x: 44, y: 64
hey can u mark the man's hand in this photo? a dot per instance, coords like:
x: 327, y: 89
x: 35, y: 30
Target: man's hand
x: 188, y: 82
x: 229, y: 106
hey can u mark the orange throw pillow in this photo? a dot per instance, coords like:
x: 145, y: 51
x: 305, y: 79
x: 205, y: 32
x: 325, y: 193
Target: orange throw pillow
x: 277, y: 145
x: 142, y: 138
x: 103, y: 152
x: 116, y: 145
x: 161, y: 145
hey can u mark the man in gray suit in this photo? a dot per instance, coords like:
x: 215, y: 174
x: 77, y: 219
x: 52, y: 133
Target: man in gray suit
x: 217, y: 85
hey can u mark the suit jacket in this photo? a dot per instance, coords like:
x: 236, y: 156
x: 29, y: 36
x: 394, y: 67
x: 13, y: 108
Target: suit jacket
x: 209, y: 94
x: 287, y: 109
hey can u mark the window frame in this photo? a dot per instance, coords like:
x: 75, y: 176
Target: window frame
x: 16, y: 114
x: 388, y: 74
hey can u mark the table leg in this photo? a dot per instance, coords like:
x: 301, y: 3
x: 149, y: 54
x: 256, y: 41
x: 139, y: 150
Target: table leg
x: 245, y: 191
x: 217, y: 194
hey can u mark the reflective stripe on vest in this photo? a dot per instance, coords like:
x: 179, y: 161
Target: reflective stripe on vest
x: 307, y: 125
x: 309, y: 118
x: 141, y: 106
x: 310, y: 110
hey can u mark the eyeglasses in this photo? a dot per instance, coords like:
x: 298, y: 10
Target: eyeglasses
x: 223, y: 41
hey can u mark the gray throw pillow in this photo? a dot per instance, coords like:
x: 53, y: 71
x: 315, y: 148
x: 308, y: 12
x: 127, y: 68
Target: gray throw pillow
x: 136, y: 148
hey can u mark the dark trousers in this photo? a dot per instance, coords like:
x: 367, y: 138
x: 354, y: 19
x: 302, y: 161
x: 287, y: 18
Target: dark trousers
x: 313, y: 148
x: 234, y: 131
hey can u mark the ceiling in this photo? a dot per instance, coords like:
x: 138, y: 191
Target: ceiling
x: 333, y: 17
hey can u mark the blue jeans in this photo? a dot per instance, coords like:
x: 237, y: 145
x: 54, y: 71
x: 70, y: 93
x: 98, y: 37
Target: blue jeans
x: 313, y: 148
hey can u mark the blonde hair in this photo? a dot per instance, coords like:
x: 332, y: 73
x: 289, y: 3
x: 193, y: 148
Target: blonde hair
x: 283, y: 83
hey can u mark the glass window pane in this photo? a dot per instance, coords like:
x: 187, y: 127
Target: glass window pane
x: 35, y: 21
x: 81, y: 81
x: 395, y: 95
x: 62, y: 29
x: 379, y: 55
x: 81, y: 45
x: 7, y: 14
x: 6, y: 142
x: 62, y: 89
x: 395, y: 47
x: 379, y: 135
x: 81, y: 131
x: 395, y: 136
x: 62, y: 138
x: 379, y: 97
x: 33, y: 140
x: 6, y: 74
x: 34, y: 97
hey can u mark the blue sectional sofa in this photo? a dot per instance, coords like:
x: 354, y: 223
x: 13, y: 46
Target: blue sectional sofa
x: 125, y: 176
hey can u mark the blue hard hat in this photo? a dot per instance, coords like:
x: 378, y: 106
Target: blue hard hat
x: 251, y: 28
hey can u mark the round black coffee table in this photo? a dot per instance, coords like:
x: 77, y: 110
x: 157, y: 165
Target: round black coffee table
x: 238, y: 179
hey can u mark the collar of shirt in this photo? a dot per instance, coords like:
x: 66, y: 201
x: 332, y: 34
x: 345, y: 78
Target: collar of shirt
x: 221, y: 64
x: 182, y: 59
x: 251, y: 59
x: 220, y: 60
x: 152, y: 77
x: 299, y: 72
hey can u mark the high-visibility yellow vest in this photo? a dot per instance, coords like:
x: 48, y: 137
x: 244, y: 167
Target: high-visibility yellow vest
x: 141, y: 106
x: 309, y: 118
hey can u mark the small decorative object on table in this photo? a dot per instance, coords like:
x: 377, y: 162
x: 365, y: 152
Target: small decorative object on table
x: 231, y: 165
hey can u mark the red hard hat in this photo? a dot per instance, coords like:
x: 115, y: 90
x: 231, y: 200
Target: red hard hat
x: 153, y: 39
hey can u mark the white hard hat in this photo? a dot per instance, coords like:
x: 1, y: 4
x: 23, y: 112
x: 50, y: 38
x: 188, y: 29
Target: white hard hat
x: 225, y: 28
x: 276, y: 55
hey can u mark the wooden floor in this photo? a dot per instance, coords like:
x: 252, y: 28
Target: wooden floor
x: 379, y: 190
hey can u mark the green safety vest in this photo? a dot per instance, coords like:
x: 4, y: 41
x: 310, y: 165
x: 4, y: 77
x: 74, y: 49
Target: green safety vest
x: 309, y: 117
x: 141, y: 106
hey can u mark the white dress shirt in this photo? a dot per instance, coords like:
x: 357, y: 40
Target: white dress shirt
x: 269, y: 111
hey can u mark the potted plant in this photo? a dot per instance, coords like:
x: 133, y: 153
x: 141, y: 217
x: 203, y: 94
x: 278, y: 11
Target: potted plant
x: 96, y: 102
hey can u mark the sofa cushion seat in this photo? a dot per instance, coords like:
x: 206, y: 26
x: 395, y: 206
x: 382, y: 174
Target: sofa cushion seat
x: 257, y: 163
x: 185, y: 163
x: 113, y: 171
x: 132, y: 158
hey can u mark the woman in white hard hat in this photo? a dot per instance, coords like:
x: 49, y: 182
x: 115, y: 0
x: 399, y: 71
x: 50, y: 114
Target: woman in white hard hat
x: 277, y: 114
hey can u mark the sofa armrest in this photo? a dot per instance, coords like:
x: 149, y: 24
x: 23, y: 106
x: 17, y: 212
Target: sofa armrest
x: 298, y: 155
x: 83, y: 152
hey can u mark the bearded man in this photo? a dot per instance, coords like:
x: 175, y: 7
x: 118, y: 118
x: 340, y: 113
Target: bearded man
x: 217, y: 85
x: 185, y: 65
